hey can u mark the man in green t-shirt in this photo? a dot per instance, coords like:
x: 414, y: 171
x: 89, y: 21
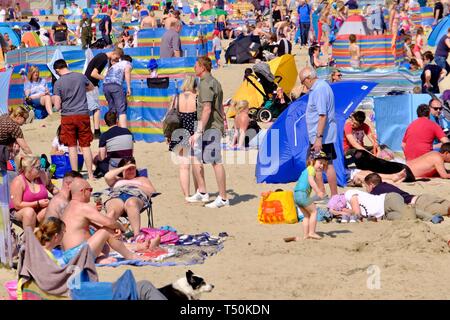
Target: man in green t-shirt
x: 206, y: 141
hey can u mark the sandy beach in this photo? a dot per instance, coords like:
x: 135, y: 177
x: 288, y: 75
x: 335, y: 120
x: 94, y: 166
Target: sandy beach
x: 411, y: 258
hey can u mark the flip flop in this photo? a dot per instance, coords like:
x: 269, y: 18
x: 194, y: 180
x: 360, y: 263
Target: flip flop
x: 290, y: 239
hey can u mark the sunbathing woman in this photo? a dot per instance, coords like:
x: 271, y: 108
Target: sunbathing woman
x: 130, y: 193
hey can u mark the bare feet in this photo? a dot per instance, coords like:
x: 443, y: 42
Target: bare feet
x: 314, y: 236
x: 105, y: 260
x: 154, y: 243
x: 400, y: 176
x: 142, y: 246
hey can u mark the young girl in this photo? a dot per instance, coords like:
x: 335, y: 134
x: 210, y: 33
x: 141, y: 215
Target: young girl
x: 353, y: 48
x: 302, y: 191
x: 417, y: 50
x: 217, y: 46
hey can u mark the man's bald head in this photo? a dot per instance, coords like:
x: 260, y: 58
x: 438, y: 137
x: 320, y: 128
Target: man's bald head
x: 78, y: 187
x: 307, y: 76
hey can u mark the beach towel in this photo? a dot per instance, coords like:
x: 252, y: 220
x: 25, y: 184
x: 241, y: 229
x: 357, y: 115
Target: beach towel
x: 36, y: 265
x: 189, y: 250
x: 167, y: 237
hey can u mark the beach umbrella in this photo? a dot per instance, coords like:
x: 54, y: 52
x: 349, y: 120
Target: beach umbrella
x: 214, y: 12
x: 439, y: 31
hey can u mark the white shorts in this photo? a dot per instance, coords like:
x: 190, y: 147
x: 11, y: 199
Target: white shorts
x: 93, y: 99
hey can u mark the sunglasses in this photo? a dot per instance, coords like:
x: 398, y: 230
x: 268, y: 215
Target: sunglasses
x: 339, y: 75
x: 88, y: 189
x: 438, y: 109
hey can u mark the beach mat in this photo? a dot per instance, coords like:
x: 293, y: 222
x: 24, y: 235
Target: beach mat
x: 184, y: 255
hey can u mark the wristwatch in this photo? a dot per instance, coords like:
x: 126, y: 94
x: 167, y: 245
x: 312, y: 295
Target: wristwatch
x: 319, y: 136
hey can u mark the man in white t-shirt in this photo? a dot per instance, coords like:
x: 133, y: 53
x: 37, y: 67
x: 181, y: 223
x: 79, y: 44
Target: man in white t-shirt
x: 389, y: 206
x: 2, y: 14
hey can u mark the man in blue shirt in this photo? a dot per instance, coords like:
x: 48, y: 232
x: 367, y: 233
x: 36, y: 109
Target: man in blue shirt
x: 321, y: 122
x: 304, y: 19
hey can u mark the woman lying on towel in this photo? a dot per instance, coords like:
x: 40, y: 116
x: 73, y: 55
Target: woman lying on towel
x: 130, y: 193
x: 393, y: 171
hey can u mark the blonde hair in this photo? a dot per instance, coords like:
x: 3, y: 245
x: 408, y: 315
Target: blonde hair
x: 19, y: 111
x: 31, y: 72
x: 24, y: 162
x: 189, y: 84
x: 48, y: 229
x: 241, y: 105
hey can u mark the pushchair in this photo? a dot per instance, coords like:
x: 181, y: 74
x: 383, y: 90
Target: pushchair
x: 274, y: 99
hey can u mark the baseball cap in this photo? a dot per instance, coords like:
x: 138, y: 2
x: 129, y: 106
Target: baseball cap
x: 318, y: 155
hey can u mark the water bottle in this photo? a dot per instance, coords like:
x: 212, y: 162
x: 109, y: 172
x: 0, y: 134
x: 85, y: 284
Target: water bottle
x: 52, y: 170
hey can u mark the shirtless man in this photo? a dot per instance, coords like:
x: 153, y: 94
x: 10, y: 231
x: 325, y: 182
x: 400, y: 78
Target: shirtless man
x: 431, y: 164
x: 172, y: 16
x: 79, y: 215
x: 149, y: 21
x: 59, y: 202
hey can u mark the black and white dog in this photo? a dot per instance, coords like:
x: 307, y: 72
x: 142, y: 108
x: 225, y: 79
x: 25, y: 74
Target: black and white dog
x: 189, y: 287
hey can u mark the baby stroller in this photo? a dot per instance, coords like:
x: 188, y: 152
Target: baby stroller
x: 274, y: 99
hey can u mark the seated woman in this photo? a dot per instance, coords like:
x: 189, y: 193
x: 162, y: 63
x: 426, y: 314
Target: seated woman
x: 57, y: 147
x: 29, y: 196
x: 315, y: 61
x: 245, y: 129
x: 36, y: 91
x: 130, y: 193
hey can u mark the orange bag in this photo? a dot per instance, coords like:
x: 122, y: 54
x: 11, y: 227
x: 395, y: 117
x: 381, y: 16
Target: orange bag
x: 277, y: 207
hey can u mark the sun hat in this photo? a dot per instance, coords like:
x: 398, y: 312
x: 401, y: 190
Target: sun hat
x: 337, y: 202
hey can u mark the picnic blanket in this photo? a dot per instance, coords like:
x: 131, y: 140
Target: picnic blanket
x: 189, y: 250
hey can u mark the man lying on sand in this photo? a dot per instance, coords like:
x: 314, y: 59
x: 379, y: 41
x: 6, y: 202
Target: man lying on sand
x: 79, y: 215
x: 427, y: 205
x: 431, y: 164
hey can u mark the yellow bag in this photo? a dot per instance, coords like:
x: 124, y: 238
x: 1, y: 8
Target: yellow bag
x: 277, y: 207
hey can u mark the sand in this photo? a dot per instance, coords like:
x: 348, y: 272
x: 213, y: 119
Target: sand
x: 410, y: 258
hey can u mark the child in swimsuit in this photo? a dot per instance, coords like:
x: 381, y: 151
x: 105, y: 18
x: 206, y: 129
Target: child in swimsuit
x: 302, y: 192
x: 353, y: 48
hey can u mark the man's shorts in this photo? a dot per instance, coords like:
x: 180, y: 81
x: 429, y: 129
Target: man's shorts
x: 329, y: 150
x: 93, y: 99
x: 76, y: 128
x: 211, y: 147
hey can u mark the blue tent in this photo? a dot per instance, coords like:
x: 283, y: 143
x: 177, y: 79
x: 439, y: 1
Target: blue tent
x: 282, y: 154
x: 439, y: 31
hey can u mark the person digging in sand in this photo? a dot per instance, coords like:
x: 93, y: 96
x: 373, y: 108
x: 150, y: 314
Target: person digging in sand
x: 79, y: 215
x: 302, y: 191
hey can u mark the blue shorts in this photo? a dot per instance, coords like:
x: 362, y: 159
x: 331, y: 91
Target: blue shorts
x: 125, y: 196
x: 217, y: 53
x: 71, y: 253
x: 116, y: 98
x: 221, y: 26
x: 302, y: 199
x: 36, y: 102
